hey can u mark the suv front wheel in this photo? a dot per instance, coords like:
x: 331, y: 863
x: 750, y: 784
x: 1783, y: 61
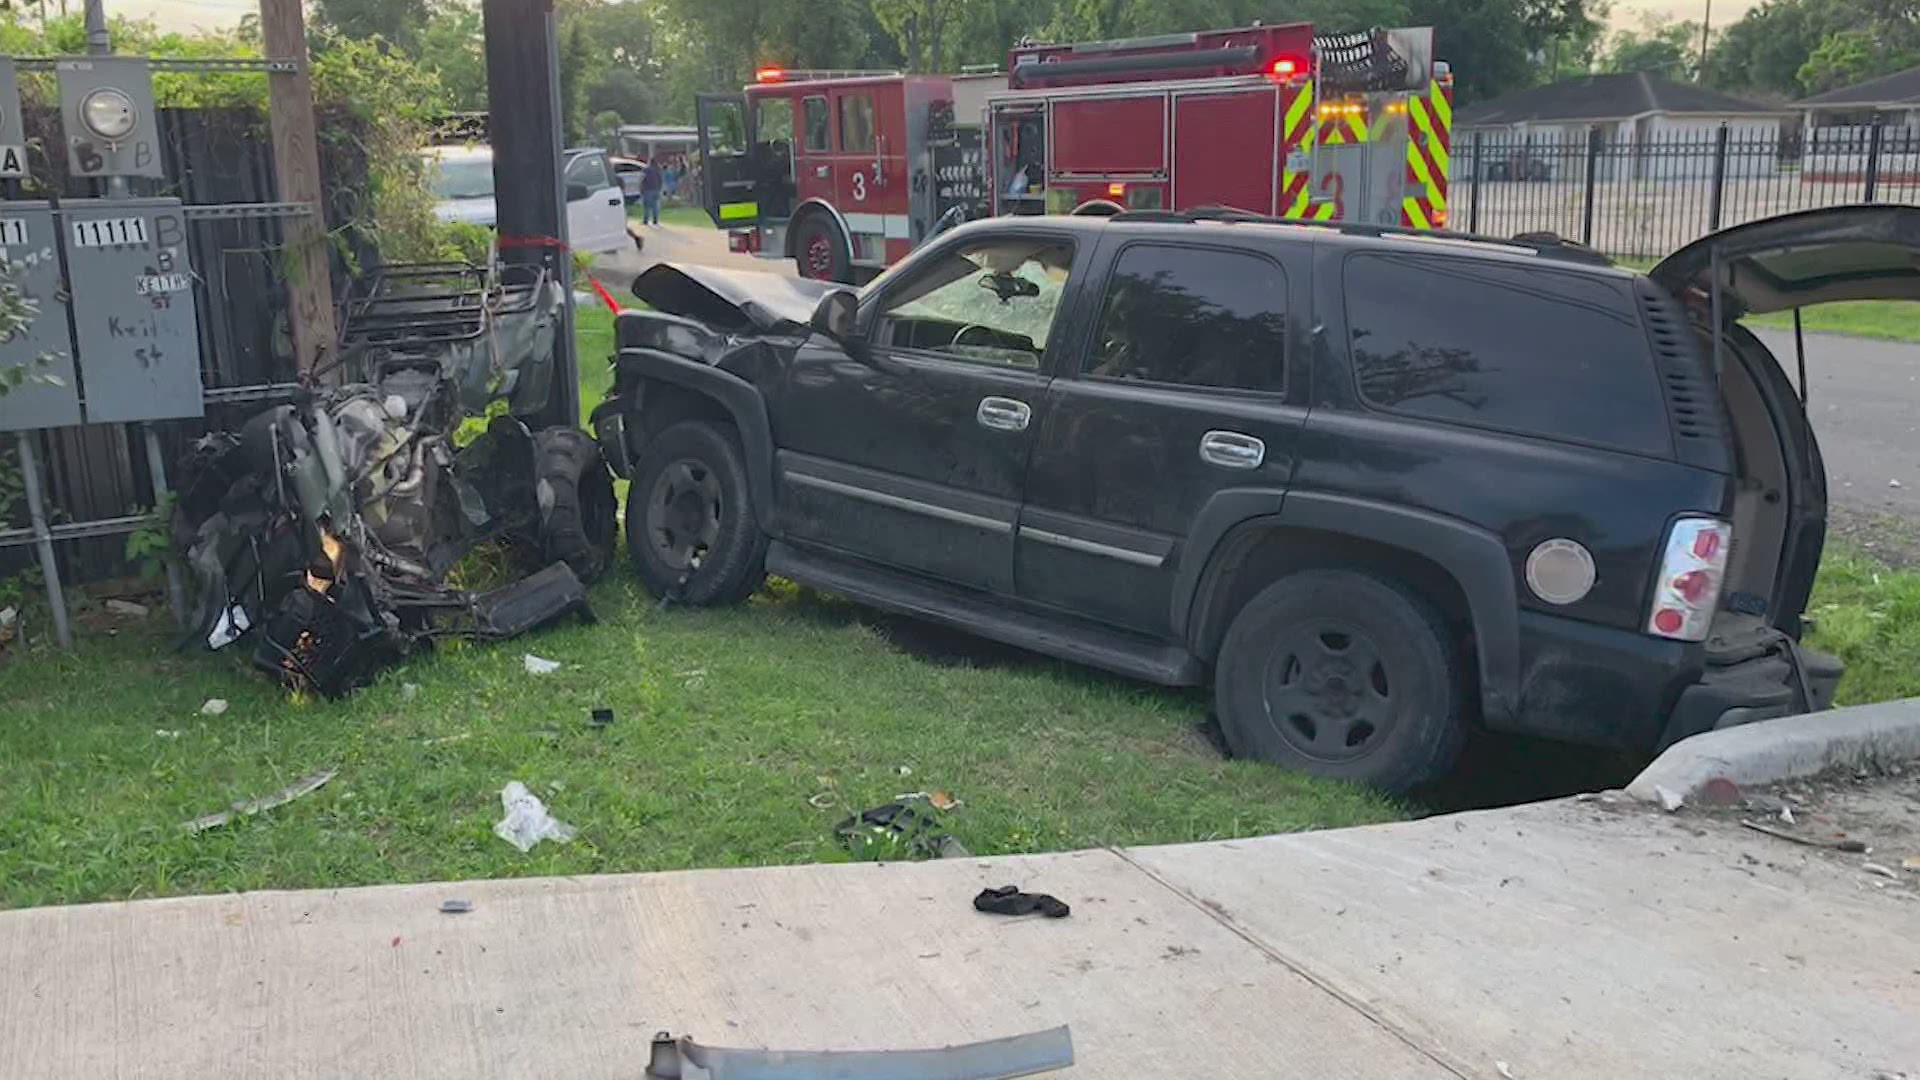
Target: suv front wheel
x: 1341, y: 674
x: 690, y: 525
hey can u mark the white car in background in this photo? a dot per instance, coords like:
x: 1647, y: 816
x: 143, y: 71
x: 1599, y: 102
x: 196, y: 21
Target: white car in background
x: 462, y: 182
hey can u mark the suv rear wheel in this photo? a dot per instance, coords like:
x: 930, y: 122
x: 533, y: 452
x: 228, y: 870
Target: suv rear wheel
x: 690, y: 526
x: 1341, y: 674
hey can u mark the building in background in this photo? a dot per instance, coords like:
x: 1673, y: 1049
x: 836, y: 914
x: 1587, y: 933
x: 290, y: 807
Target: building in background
x: 1543, y: 132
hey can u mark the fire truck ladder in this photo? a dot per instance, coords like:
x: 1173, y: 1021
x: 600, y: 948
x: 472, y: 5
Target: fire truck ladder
x: 1360, y: 61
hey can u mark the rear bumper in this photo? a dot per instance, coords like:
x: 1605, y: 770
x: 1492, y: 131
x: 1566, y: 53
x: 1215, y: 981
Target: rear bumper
x: 1602, y: 686
x: 1757, y: 688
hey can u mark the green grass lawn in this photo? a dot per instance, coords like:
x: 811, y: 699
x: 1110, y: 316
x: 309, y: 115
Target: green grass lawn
x: 1890, y: 320
x: 728, y: 724
x: 1868, y: 615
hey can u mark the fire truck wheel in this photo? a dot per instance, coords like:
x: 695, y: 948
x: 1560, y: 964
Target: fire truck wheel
x: 690, y: 526
x: 579, y: 519
x: 819, y: 251
x: 1342, y: 674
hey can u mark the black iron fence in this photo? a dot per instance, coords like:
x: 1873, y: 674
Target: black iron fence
x: 1643, y: 196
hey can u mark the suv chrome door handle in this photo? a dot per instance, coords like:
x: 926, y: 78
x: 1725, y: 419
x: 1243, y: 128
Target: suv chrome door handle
x: 820, y: 171
x: 1232, y: 450
x: 1003, y: 414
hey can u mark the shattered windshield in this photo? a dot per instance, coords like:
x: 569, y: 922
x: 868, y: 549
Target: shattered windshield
x: 1012, y: 287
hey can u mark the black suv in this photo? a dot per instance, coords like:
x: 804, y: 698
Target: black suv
x: 1379, y: 488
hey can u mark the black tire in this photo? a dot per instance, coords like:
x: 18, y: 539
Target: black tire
x: 579, y: 516
x: 690, y: 526
x: 1342, y: 674
x: 819, y: 251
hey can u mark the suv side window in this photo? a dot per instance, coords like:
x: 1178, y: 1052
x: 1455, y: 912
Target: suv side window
x: 1191, y: 316
x: 988, y: 302
x: 1529, y: 350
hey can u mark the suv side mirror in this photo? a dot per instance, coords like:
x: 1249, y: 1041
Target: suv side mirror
x: 833, y: 316
x: 577, y: 191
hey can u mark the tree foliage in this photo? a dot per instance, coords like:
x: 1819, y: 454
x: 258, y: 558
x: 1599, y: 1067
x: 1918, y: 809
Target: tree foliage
x: 396, y: 21
x: 1790, y: 48
x: 1660, y: 47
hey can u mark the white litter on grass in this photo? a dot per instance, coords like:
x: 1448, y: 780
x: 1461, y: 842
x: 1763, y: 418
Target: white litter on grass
x: 539, y: 666
x: 527, y: 821
x: 409, y: 691
x: 163, y: 733
x: 214, y: 707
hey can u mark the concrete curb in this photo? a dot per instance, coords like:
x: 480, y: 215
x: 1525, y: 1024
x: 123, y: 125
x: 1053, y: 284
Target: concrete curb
x: 1791, y: 747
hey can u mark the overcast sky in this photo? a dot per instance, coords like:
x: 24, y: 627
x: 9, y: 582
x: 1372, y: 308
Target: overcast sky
x: 184, y: 14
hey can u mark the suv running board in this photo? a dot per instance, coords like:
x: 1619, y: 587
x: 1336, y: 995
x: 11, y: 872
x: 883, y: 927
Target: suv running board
x: 988, y: 616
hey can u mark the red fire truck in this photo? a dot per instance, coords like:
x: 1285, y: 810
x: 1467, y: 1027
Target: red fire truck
x: 845, y: 172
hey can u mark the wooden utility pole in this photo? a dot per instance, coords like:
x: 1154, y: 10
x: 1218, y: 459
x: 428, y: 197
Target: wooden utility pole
x: 296, y: 165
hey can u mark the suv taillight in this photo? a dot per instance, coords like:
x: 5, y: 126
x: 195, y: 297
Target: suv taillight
x: 1688, y: 588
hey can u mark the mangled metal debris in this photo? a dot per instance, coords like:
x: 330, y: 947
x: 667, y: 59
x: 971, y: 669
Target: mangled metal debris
x: 249, y: 807
x: 995, y: 1059
x: 327, y: 529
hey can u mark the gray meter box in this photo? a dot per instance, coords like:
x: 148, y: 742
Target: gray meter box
x: 50, y: 397
x: 133, y: 308
x: 13, y: 132
x: 106, y: 111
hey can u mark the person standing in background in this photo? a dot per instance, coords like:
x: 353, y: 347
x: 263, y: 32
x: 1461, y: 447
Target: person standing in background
x: 651, y: 181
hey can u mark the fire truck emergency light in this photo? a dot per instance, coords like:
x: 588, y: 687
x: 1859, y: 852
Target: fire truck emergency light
x: 1284, y: 68
x: 770, y: 74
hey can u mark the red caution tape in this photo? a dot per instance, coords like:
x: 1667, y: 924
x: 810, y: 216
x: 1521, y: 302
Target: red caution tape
x: 509, y: 242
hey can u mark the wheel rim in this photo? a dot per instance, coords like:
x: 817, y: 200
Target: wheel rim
x: 1328, y: 691
x: 683, y: 514
x: 819, y: 260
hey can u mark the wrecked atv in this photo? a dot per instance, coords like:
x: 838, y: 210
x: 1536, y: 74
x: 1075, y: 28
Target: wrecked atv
x: 326, y: 530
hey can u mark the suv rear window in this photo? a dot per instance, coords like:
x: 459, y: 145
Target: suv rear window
x: 1192, y: 316
x: 1530, y: 350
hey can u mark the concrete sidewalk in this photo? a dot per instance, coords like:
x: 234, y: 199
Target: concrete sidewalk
x: 1564, y: 940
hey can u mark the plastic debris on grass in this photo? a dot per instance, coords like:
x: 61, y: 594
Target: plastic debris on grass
x: 527, y: 821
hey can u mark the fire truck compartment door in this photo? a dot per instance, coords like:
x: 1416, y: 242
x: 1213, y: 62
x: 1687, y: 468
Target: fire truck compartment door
x: 727, y: 179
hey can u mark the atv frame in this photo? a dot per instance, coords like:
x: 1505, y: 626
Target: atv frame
x: 329, y: 530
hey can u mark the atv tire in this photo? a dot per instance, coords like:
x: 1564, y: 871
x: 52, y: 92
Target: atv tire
x: 579, y: 517
x: 690, y: 527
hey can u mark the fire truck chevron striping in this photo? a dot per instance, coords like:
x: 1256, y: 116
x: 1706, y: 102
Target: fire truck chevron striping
x: 845, y: 172
x: 1429, y: 155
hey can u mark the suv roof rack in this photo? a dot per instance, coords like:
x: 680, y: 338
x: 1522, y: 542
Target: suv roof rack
x: 1545, y: 244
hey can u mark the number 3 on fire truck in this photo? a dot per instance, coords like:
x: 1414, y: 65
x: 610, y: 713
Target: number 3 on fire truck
x: 859, y: 187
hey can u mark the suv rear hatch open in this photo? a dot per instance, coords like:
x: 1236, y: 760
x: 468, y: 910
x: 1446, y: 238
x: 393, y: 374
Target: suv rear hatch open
x: 1780, y: 502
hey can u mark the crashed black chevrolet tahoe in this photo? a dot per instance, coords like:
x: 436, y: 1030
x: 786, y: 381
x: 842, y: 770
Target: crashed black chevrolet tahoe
x: 1378, y: 489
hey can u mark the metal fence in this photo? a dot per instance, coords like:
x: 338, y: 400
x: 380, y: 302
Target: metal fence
x: 1642, y: 198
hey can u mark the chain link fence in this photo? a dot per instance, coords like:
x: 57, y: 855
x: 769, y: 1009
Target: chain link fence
x: 1643, y: 198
